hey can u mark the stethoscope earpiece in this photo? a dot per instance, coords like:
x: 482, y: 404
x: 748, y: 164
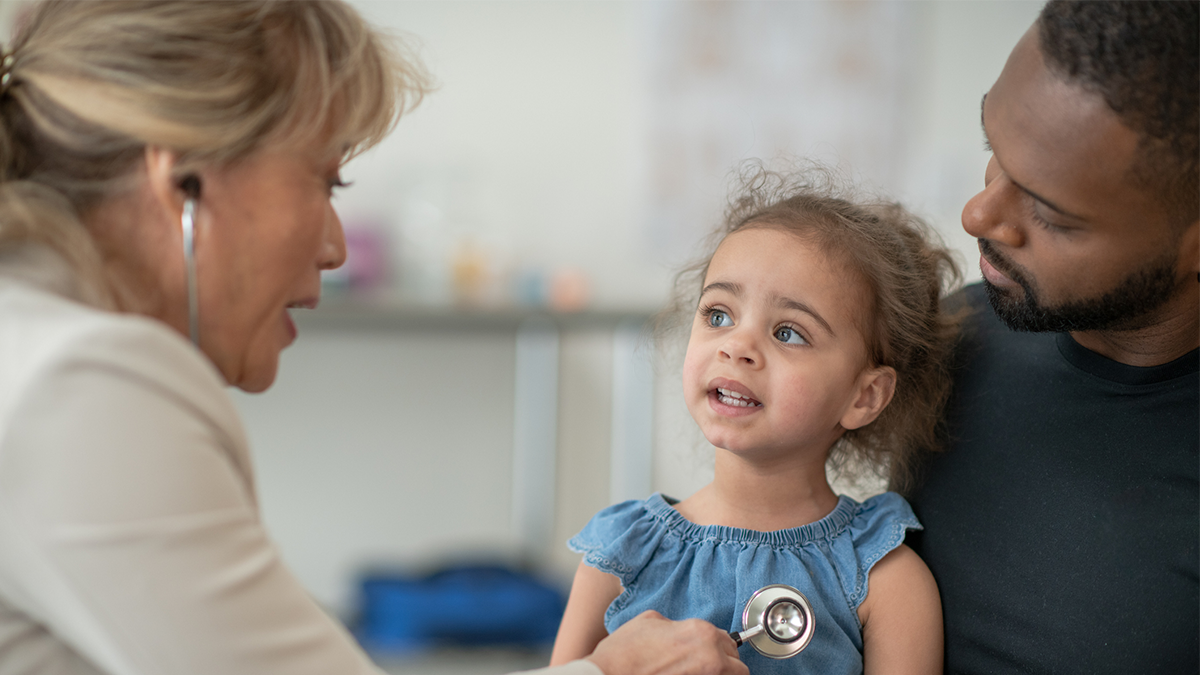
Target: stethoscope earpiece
x: 777, y: 622
x: 190, y: 186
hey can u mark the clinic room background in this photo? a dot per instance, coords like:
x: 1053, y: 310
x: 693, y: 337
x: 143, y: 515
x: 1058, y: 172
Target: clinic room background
x: 508, y: 241
x: 478, y: 382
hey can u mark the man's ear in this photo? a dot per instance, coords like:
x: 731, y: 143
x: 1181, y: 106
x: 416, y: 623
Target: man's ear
x: 875, y: 389
x: 1190, y: 245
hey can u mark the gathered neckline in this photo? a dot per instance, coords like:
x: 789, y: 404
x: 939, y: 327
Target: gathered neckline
x: 661, y: 508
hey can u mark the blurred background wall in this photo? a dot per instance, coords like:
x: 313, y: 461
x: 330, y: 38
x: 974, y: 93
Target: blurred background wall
x: 477, y: 382
x: 575, y: 154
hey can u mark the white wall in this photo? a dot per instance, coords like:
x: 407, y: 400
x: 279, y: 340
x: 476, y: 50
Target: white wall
x: 529, y: 146
x: 964, y: 48
x: 377, y: 447
x: 396, y: 445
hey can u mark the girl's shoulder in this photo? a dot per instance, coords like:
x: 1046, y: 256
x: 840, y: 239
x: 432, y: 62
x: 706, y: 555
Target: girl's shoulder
x: 878, y: 527
x: 880, y: 522
x: 623, y: 532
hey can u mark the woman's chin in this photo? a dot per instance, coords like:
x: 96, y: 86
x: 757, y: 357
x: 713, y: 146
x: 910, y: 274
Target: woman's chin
x: 260, y: 363
x: 258, y: 377
x: 255, y: 387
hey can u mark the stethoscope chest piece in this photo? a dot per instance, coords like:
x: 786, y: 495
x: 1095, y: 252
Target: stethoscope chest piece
x: 777, y: 622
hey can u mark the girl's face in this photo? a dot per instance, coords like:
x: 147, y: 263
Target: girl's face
x: 776, y: 361
x: 265, y: 230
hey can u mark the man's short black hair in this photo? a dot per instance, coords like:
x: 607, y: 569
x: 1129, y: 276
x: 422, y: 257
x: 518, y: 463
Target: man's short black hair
x: 1144, y: 59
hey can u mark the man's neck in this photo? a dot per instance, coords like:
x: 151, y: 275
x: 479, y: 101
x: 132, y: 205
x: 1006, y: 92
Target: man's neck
x: 1174, y: 333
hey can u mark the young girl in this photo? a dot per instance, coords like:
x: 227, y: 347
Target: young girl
x: 818, y: 339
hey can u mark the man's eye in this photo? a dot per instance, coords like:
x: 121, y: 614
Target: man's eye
x: 789, y: 335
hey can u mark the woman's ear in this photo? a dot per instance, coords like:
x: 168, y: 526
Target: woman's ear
x: 875, y: 389
x: 161, y: 179
x: 168, y: 190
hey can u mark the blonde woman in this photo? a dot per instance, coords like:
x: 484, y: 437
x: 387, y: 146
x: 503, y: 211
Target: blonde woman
x: 165, y: 179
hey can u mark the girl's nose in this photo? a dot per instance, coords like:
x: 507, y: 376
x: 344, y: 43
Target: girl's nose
x: 741, y: 348
x: 994, y: 212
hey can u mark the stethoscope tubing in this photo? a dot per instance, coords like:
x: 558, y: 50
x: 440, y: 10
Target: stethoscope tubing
x: 189, y: 259
x: 739, y: 638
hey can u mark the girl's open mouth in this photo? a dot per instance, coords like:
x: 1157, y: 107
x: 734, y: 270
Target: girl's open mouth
x: 732, y: 398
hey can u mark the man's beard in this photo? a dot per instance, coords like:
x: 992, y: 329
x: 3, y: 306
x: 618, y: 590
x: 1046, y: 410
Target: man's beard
x: 1125, y: 307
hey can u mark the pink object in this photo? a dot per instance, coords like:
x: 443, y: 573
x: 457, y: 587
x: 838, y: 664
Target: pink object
x: 366, y: 258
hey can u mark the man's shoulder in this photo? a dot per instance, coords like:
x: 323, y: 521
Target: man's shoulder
x: 969, y: 305
x: 981, y: 332
x: 970, y: 296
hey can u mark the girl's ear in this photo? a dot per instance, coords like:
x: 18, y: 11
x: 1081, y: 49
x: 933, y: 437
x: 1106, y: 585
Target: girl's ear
x: 875, y: 389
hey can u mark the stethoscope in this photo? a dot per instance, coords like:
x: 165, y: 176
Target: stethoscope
x: 777, y: 622
x: 191, y: 187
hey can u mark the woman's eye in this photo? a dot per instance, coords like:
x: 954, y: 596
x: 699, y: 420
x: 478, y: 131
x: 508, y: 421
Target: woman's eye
x: 719, y: 319
x: 337, y: 182
x: 789, y: 335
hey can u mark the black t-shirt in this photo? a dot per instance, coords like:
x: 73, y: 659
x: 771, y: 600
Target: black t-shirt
x: 1063, y: 520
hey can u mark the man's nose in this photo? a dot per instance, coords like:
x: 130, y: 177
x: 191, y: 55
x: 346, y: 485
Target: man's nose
x: 995, y: 213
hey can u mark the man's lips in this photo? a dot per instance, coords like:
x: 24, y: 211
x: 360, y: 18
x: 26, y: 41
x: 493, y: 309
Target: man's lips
x: 993, y: 275
x: 992, y: 272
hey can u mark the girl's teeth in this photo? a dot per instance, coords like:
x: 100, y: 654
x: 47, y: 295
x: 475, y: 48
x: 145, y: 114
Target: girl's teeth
x: 735, y: 399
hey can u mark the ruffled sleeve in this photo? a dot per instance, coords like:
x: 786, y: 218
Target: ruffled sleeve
x: 621, y: 539
x: 878, y: 527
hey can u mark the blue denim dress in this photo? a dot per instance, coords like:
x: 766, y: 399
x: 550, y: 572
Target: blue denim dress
x: 687, y: 571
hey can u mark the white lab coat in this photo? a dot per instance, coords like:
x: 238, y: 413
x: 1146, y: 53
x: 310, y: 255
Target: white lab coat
x: 130, y: 536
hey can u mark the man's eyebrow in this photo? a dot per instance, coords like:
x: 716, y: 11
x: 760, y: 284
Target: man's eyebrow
x: 1049, y: 204
x: 988, y: 145
x: 788, y: 303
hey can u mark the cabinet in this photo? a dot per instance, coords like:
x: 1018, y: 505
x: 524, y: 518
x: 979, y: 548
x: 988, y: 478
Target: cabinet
x: 409, y: 435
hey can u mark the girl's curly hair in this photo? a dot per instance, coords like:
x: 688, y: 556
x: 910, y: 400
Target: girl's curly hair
x: 907, y: 271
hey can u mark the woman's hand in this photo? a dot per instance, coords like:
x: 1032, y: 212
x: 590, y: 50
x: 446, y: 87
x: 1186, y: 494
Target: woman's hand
x: 650, y: 644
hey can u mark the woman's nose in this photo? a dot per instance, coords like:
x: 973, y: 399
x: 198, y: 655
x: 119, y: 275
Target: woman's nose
x: 993, y: 213
x: 333, y: 249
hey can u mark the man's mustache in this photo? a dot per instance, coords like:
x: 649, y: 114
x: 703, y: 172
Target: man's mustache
x: 995, y: 259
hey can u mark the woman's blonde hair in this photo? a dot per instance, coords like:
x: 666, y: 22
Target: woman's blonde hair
x: 92, y: 84
x: 906, y: 271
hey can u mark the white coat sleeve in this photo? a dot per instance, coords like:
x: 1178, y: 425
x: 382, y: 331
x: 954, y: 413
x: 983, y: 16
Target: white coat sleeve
x: 573, y: 668
x: 129, y: 528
